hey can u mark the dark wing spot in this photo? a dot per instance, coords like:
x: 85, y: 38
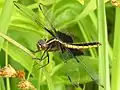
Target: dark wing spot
x: 63, y: 37
x: 76, y: 52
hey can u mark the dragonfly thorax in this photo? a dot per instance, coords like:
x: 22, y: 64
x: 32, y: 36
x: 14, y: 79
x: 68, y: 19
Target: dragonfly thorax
x: 42, y: 45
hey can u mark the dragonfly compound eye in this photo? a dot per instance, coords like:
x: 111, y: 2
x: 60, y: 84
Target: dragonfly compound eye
x: 42, y: 44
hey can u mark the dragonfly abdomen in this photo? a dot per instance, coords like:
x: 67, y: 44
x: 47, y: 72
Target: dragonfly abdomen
x: 81, y: 46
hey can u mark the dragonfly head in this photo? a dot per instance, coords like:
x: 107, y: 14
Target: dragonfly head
x: 42, y: 45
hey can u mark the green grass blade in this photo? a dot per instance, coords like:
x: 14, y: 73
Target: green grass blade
x: 90, y: 7
x: 5, y: 18
x: 103, y: 50
x: 116, y: 53
x: 6, y: 63
x: 17, y: 44
x: 49, y: 80
x: 2, y: 85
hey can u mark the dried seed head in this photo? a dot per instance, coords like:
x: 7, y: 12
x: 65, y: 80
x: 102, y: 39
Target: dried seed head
x: 115, y: 3
x: 26, y: 85
x: 8, y: 71
x: 20, y: 74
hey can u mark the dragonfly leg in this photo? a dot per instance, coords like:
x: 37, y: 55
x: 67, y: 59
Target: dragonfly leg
x: 34, y: 51
x: 39, y: 59
x: 47, y: 61
x: 44, y: 64
x: 42, y: 57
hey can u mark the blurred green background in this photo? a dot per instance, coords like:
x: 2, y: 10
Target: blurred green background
x: 78, y: 18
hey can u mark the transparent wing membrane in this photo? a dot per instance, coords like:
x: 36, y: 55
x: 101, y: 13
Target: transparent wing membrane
x: 62, y: 38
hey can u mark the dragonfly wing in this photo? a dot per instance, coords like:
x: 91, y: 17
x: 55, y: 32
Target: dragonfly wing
x: 64, y: 37
x: 33, y: 16
x: 91, y: 73
x: 76, y: 52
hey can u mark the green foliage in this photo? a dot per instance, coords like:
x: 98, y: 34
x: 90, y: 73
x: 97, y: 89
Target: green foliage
x: 22, y: 26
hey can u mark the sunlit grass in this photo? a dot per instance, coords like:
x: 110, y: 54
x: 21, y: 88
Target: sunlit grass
x: 21, y: 32
x: 104, y: 76
x: 116, y: 54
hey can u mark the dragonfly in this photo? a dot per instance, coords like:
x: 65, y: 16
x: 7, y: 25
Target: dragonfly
x: 62, y: 42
